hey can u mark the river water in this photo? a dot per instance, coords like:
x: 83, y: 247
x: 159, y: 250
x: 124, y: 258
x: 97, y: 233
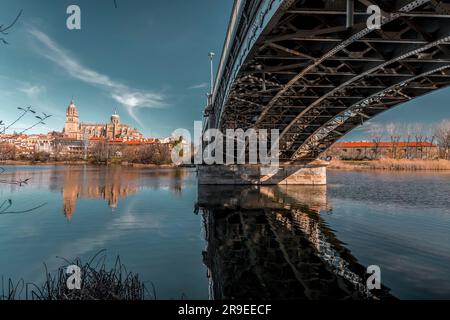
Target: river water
x: 201, y: 242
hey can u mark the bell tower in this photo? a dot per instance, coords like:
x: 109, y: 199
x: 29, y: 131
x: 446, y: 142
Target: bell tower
x: 72, y: 129
x: 115, y: 122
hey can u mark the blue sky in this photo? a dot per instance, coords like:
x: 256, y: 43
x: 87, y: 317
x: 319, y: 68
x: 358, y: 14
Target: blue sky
x: 146, y: 59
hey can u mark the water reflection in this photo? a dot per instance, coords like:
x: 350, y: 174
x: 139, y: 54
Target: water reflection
x: 267, y: 243
x: 271, y: 243
x: 110, y: 184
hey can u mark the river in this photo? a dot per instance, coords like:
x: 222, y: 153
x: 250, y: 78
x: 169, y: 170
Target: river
x: 201, y: 242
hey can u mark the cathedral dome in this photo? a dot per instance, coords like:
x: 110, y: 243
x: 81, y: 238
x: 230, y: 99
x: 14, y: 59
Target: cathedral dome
x: 115, y: 118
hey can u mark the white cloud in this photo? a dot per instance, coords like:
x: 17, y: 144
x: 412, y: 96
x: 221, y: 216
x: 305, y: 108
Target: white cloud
x: 32, y: 90
x: 130, y: 98
x: 200, y: 86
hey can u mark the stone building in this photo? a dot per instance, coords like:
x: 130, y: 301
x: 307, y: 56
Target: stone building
x: 109, y: 131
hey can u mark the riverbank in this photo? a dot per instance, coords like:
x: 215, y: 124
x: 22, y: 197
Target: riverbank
x: 382, y: 164
x: 81, y: 162
x: 392, y: 164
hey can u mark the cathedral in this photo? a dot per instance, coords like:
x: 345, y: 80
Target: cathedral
x: 110, y: 131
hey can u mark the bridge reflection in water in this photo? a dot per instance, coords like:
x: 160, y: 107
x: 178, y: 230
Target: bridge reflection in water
x: 271, y: 243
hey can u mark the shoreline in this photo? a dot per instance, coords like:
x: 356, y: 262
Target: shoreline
x: 345, y: 165
x: 86, y: 163
x: 390, y: 165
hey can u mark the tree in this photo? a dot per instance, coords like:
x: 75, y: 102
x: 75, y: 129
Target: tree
x: 376, y: 135
x: 408, y: 131
x: 7, y: 151
x: 431, y: 138
x: 393, y: 132
x: 420, y: 137
x: 442, y: 135
x: 155, y: 154
x: 100, y: 152
x: 148, y: 154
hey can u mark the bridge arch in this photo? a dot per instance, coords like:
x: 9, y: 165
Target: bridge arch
x: 296, y: 66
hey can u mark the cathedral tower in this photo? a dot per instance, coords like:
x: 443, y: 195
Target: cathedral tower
x: 115, y: 122
x: 72, y: 129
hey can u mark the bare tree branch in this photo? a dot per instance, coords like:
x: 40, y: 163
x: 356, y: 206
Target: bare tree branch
x: 3, y: 30
x: 24, y: 112
x: 41, y: 121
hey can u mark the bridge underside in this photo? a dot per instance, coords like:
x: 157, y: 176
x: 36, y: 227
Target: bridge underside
x: 315, y: 80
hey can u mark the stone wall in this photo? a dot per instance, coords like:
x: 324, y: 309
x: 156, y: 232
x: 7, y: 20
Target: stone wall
x: 258, y: 175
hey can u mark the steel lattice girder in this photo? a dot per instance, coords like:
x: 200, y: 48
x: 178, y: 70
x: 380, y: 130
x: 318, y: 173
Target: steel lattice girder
x: 307, y: 72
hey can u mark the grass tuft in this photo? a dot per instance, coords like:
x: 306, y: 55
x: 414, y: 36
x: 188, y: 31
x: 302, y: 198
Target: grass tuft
x: 97, y: 283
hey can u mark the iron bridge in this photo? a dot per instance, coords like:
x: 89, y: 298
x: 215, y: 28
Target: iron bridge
x: 315, y: 71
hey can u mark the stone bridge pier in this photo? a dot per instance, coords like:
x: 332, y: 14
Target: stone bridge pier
x: 283, y: 174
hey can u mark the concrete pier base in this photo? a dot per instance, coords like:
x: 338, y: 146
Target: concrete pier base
x: 285, y: 174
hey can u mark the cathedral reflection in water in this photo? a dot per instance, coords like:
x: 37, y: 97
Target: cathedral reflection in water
x: 271, y: 243
x: 110, y: 184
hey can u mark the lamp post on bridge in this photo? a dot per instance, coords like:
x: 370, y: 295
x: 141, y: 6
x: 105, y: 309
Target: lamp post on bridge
x: 208, y: 109
x: 211, y: 59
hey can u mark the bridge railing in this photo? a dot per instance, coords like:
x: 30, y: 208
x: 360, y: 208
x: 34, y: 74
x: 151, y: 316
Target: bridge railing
x: 248, y: 19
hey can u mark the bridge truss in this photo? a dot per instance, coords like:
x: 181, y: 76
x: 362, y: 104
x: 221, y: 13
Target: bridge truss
x: 297, y: 66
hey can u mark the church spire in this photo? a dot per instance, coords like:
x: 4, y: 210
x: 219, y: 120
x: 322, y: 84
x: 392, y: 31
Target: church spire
x: 72, y: 109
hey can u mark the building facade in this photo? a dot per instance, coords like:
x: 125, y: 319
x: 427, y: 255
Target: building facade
x: 77, y: 141
x: 110, y: 131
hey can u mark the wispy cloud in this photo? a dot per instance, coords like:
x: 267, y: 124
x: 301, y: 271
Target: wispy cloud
x: 199, y: 86
x: 32, y: 90
x: 130, y: 98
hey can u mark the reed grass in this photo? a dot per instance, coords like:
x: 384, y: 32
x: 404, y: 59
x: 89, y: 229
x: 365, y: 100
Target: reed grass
x: 392, y: 164
x: 97, y: 283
